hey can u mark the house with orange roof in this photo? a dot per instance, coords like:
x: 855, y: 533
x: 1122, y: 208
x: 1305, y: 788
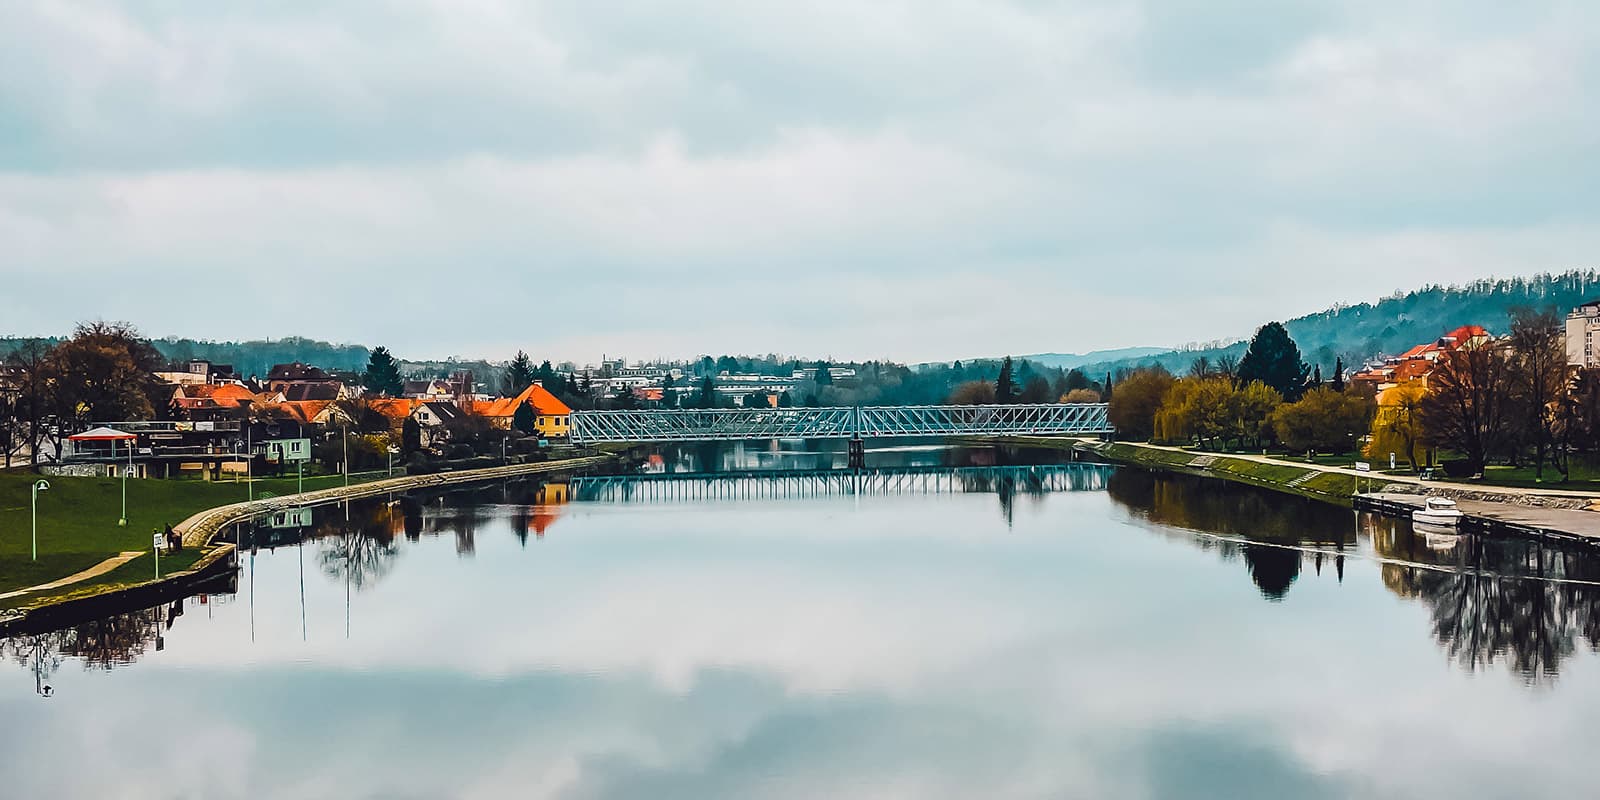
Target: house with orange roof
x: 212, y: 401
x: 1418, y: 362
x: 551, y: 417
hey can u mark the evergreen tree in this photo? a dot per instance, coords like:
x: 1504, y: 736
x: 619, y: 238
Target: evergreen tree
x: 1338, y: 374
x: 708, y: 393
x: 1108, y: 387
x: 546, y: 376
x: 1274, y: 359
x: 383, y: 374
x: 1316, y: 377
x: 1005, y: 388
x: 824, y: 376
x: 785, y: 401
x: 669, y: 398
x: 410, y: 436
x: 523, y: 419
x: 519, y: 374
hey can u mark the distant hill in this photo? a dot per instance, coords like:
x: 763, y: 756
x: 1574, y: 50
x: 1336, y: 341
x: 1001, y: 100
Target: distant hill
x: 1393, y: 324
x: 1070, y: 360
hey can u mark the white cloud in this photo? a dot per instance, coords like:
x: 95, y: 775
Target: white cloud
x: 931, y: 180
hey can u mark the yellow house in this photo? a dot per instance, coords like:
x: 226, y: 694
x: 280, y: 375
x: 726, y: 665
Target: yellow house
x: 551, y: 417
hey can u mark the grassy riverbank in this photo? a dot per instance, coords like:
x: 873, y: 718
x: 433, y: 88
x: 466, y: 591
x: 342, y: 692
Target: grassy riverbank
x: 1333, y: 487
x: 78, y: 520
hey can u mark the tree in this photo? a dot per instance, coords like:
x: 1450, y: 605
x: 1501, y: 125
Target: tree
x: 1136, y: 400
x: 972, y: 393
x: 669, y: 398
x: 1322, y: 420
x: 1316, y: 377
x: 1005, y: 388
x: 1273, y: 359
x: 1036, y: 390
x: 1081, y: 396
x: 519, y: 374
x: 410, y: 436
x: 757, y: 400
x: 383, y: 374
x: 1539, y: 379
x: 1338, y: 375
x: 824, y: 375
x: 102, y: 373
x: 364, y: 415
x: 1397, y: 425
x: 1250, y: 410
x: 1466, y: 405
x: 785, y: 401
x: 708, y: 393
x: 524, y: 419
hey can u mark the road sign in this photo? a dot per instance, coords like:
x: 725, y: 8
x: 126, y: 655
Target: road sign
x: 159, y: 542
x: 1391, y: 461
x: 1363, y: 466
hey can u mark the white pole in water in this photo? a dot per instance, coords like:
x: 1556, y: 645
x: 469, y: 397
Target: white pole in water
x: 38, y: 486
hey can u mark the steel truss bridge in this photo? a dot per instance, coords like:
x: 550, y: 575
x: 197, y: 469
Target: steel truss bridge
x: 780, y: 484
x: 860, y: 422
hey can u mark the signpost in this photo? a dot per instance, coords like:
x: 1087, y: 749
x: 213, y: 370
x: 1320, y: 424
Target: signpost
x: 155, y: 545
x: 1363, y: 466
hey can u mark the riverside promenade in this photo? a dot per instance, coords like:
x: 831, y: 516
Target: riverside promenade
x: 1540, y: 512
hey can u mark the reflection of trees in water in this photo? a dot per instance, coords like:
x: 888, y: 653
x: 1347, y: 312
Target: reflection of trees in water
x: 1215, y: 506
x: 358, y: 556
x: 113, y: 641
x: 1487, y: 601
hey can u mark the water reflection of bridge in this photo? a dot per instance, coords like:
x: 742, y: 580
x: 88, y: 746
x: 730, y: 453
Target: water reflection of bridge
x: 777, y: 484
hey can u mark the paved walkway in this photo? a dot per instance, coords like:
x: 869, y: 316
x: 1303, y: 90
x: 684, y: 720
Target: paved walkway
x: 1464, y: 486
x: 92, y: 572
x: 1580, y: 524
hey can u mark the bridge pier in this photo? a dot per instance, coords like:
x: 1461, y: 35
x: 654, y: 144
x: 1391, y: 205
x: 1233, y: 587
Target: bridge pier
x: 858, y: 453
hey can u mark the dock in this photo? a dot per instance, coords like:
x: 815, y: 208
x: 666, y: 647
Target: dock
x: 1496, y: 518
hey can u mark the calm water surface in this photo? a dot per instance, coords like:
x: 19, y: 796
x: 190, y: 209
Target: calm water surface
x: 982, y: 632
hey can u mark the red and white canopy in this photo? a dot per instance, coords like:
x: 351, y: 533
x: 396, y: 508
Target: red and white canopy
x: 101, y: 434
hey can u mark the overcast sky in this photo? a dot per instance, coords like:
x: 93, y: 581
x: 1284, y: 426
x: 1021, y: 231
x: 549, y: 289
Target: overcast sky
x: 915, y: 180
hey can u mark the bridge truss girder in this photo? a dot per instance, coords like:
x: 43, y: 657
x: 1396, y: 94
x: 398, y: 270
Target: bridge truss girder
x: 868, y: 422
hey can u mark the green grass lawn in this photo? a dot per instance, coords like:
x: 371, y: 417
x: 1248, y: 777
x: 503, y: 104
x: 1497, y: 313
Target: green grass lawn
x: 78, y: 519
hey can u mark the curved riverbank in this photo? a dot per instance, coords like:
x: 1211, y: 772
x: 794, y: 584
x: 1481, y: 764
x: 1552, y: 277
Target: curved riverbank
x: 200, y: 530
x: 1330, y: 483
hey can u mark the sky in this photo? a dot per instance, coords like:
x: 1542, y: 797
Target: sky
x: 905, y: 179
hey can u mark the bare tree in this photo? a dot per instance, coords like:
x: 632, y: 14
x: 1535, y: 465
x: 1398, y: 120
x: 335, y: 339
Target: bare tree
x: 1539, y: 378
x: 1466, y: 407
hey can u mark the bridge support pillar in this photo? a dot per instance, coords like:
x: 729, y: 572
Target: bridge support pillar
x: 858, y: 453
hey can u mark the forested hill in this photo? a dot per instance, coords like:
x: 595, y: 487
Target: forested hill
x: 1397, y: 322
x: 247, y: 358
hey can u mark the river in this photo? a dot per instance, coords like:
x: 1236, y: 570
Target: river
x: 962, y: 624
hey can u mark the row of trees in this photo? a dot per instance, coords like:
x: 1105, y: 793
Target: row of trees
x: 103, y: 372
x: 1513, y: 400
x: 1269, y: 396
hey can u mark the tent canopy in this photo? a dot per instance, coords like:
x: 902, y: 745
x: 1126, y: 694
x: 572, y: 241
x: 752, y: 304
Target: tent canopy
x: 101, y: 434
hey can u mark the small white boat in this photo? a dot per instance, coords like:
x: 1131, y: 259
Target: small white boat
x: 1437, y: 512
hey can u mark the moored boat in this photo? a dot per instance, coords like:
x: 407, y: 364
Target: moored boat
x: 1437, y: 512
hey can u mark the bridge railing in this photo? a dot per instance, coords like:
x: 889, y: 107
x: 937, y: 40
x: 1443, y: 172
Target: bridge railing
x: 684, y: 425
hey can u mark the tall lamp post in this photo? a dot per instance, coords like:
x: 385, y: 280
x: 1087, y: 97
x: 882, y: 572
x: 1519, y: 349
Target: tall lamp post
x: 38, y: 486
x: 123, y: 521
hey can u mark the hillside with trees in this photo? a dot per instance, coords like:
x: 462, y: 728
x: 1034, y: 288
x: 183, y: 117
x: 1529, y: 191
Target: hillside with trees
x: 1395, y: 323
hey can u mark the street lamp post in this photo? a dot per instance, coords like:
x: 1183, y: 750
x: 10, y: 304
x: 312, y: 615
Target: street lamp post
x: 38, y: 486
x: 344, y: 431
x: 249, y: 464
x: 123, y: 521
